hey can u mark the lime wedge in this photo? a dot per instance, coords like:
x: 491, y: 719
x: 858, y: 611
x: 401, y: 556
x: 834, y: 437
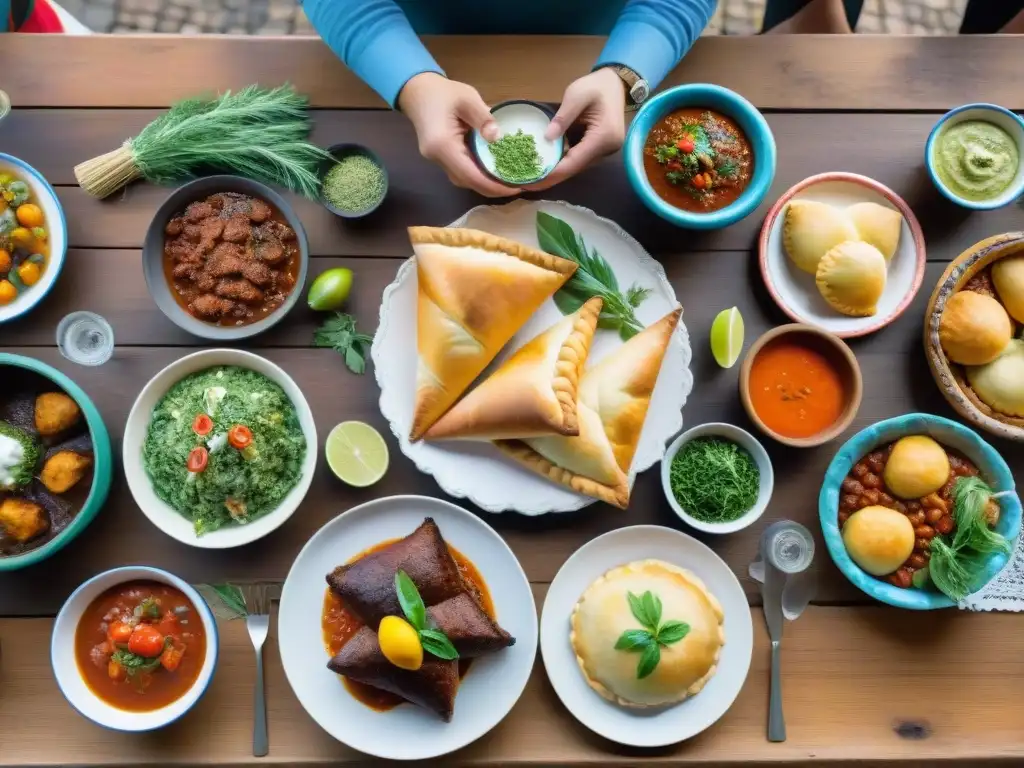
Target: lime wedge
x: 356, y: 453
x: 727, y: 337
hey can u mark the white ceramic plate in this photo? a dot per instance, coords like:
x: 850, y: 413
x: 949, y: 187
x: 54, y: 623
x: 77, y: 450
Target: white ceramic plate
x: 795, y: 291
x: 493, y: 683
x: 478, y: 471
x: 662, y: 726
x: 161, y: 514
x: 65, y: 665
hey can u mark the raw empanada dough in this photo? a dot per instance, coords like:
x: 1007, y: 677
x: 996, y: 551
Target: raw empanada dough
x: 851, y: 277
x: 877, y: 225
x: 811, y: 228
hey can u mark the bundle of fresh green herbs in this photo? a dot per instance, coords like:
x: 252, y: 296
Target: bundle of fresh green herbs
x: 258, y: 133
x: 338, y: 332
x: 593, y: 277
x: 714, y: 480
x: 958, y: 562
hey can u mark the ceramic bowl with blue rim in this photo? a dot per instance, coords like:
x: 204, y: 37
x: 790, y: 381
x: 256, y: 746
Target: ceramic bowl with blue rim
x: 37, y: 376
x: 42, y: 194
x: 950, y: 434
x: 982, y: 166
x: 65, y: 665
x: 725, y: 102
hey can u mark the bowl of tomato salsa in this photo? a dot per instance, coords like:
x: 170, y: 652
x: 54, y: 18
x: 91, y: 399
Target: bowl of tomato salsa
x: 700, y: 156
x: 134, y: 648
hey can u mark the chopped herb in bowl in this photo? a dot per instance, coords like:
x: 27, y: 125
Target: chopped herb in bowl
x: 713, y: 479
x: 354, y: 181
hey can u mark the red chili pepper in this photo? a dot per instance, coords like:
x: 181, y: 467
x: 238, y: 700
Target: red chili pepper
x: 203, y: 425
x: 240, y: 436
x: 685, y: 144
x: 197, y: 459
x: 698, y: 181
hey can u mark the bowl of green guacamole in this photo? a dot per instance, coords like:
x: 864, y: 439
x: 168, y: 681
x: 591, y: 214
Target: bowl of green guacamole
x: 220, y: 448
x: 975, y: 156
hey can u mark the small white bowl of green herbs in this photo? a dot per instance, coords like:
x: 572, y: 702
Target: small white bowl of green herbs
x: 717, y: 477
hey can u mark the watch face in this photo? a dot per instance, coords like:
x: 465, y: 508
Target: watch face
x: 639, y: 92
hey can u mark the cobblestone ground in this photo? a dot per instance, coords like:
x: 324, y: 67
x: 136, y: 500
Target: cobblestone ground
x: 285, y: 17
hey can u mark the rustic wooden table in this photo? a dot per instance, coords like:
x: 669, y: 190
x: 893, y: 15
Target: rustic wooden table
x: 861, y: 682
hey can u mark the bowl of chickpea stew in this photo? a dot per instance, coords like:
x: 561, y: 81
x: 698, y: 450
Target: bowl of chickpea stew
x: 33, y: 237
x: 855, y: 480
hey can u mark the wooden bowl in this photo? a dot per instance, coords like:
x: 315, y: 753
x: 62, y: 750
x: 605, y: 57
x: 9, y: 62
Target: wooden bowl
x: 838, y: 353
x: 950, y: 376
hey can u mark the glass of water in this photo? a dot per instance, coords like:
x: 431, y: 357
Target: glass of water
x: 85, y: 338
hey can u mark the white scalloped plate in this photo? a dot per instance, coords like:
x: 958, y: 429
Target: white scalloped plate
x: 477, y: 471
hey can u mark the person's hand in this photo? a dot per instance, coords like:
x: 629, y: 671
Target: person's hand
x: 598, y: 102
x: 443, y: 111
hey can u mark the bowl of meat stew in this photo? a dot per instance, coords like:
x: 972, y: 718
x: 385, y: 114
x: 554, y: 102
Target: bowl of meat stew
x: 911, y: 525
x: 225, y: 258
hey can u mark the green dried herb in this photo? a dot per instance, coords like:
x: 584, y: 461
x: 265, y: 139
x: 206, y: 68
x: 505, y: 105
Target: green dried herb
x: 354, y: 184
x: 515, y: 157
x: 654, y: 636
x: 714, y: 480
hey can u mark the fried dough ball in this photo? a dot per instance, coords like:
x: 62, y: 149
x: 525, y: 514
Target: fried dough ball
x: 23, y: 519
x: 55, y: 412
x: 63, y: 470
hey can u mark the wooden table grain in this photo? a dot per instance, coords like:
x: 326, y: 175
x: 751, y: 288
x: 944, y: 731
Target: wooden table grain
x: 863, y: 684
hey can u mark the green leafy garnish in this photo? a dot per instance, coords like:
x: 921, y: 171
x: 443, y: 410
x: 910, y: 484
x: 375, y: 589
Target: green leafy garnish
x: 339, y: 332
x: 147, y: 609
x: 226, y: 600
x: 714, y: 480
x: 433, y: 640
x: 133, y: 664
x: 728, y: 168
x: 654, y: 636
x: 593, y: 277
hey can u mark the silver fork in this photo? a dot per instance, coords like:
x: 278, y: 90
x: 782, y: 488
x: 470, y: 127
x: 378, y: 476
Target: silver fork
x: 258, y: 598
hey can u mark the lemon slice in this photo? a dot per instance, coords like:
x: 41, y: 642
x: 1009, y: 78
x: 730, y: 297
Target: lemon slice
x: 727, y: 337
x: 356, y: 453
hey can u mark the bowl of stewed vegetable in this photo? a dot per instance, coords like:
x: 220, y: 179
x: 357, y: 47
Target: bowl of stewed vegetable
x: 33, y: 237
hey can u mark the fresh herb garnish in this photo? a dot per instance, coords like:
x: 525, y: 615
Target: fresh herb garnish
x: 654, y: 636
x: 147, y: 609
x: 728, y: 168
x: 226, y: 600
x: 593, y: 277
x: 714, y: 480
x: 339, y: 332
x: 433, y: 640
x: 956, y: 566
x: 133, y: 664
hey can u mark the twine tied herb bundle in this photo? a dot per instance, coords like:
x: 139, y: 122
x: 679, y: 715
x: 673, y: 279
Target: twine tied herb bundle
x: 258, y: 133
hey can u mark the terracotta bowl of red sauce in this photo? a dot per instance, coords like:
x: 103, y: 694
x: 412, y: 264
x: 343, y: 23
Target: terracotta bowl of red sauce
x: 134, y: 648
x: 800, y: 385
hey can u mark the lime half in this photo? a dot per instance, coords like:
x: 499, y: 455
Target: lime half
x: 357, y: 453
x: 727, y: 337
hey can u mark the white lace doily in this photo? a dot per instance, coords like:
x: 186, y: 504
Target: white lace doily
x: 1006, y: 591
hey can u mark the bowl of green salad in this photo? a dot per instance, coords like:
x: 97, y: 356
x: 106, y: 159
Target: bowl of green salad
x: 220, y: 448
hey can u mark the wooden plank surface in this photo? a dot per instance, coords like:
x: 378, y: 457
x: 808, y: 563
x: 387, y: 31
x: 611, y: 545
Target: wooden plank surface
x: 807, y: 145
x: 855, y: 679
x: 774, y: 72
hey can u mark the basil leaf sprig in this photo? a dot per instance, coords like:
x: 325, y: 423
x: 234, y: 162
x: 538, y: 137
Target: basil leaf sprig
x: 434, y: 641
x: 655, y: 635
x: 593, y: 277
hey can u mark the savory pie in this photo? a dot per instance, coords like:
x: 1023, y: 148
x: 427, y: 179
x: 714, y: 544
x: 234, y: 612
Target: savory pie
x: 475, y: 291
x: 851, y: 277
x: 811, y: 228
x: 613, y: 400
x: 605, y: 612
x: 878, y: 225
x: 534, y: 392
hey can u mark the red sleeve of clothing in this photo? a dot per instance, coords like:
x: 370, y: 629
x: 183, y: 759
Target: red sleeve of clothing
x: 43, y: 20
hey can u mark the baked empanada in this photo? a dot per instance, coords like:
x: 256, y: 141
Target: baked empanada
x: 475, y: 291
x: 534, y: 392
x: 877, y: 225
x: 851, y: 277
x: 1008, y: 278
x: 613, y: 400
x: 810, y: 229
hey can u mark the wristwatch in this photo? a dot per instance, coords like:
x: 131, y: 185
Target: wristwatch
x: 637, y: 89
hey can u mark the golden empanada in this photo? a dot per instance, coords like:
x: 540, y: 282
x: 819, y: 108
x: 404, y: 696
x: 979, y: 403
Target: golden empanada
x: 851, y: 277
x: 877, y: 225
x: 1008, y: 278
x: 475, y: 291
x: 810, y: 229
x: 534, y: 392
x: 613, y: 400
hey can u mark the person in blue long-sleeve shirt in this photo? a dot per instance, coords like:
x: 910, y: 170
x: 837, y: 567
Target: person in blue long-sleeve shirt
x: 378, y: 40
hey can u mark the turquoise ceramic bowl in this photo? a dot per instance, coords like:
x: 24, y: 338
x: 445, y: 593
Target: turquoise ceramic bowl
x: 956, y: 436
x: 103, y: 467
x: 721, y: 100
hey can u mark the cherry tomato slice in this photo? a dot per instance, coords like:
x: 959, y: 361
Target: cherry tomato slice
x: 698, y: 181
x: 146, y: 641
x: 118, y: 633
x: 203, y: 425
x: 685, y: 145
x: 239, y: 436
x: 197, y: 459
